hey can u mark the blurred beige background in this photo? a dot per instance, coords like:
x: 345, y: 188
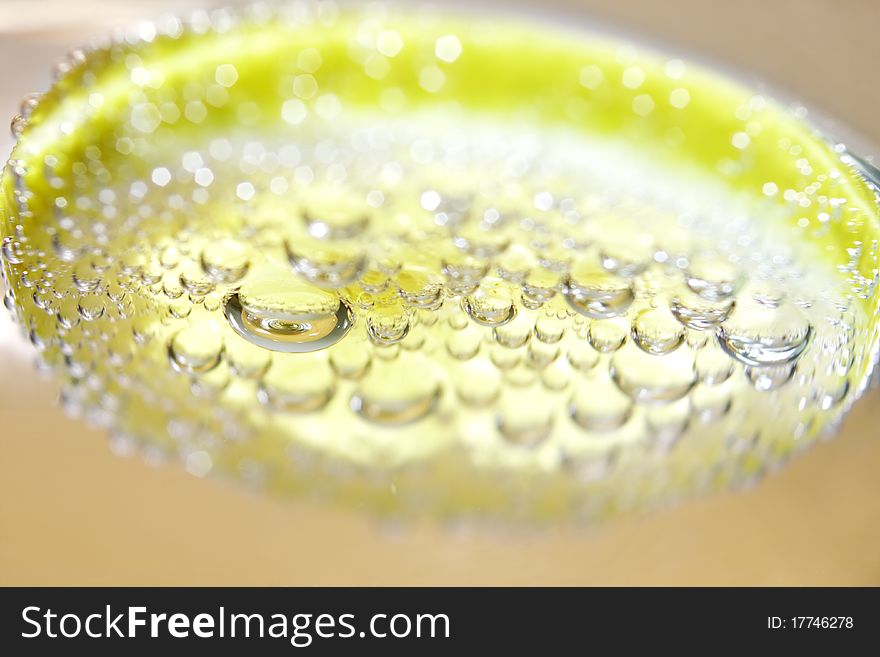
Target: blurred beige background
x: 73, y: 513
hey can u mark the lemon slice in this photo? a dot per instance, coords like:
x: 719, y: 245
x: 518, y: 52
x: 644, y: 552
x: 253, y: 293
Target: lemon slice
x: 437, y: 266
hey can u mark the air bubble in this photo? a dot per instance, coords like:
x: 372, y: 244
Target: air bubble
x: 714, y: 366
x: 667, y: 423
x: 657, y: 331
x: 225, y: 261
x: 196, y: 349
x: 300, y: 383
x: 515, y: 333
x: 539, y: 286
x: 388, y: 324
x: 711, y: 402
x: 626, y: 255
x: 581, y: 355
x: 481, y: 241
x: 491, y: 304
x: 699, y: 313
x: 420, y: 288
x: 286, y: 314
x: 712, y: 277
x: 596, y: 293
x: 770, y: 378
x: 525, y: 417
x: 464, y: 272
x: 350, y: 359
x: 245, y: 359
x: 326, y: 265
x: 334, y: 213
x: 653, y: 379
x: 194, y: 280
x: 464, y: 344
x: 597, y: 405
x: 374, y: 281
x: 607, y: 335
x: 541, y: 354
x: 549, y: 329
x: 91, y: 307
x: 478, y: 383
x: 557, y: 375
x: 11, y: 251
x: 397, y: 392
x: 767, y: 292
x: 85, y: 277
x: 758, y: 335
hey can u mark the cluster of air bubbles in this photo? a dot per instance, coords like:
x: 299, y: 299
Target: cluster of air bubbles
x: 417, y: 298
